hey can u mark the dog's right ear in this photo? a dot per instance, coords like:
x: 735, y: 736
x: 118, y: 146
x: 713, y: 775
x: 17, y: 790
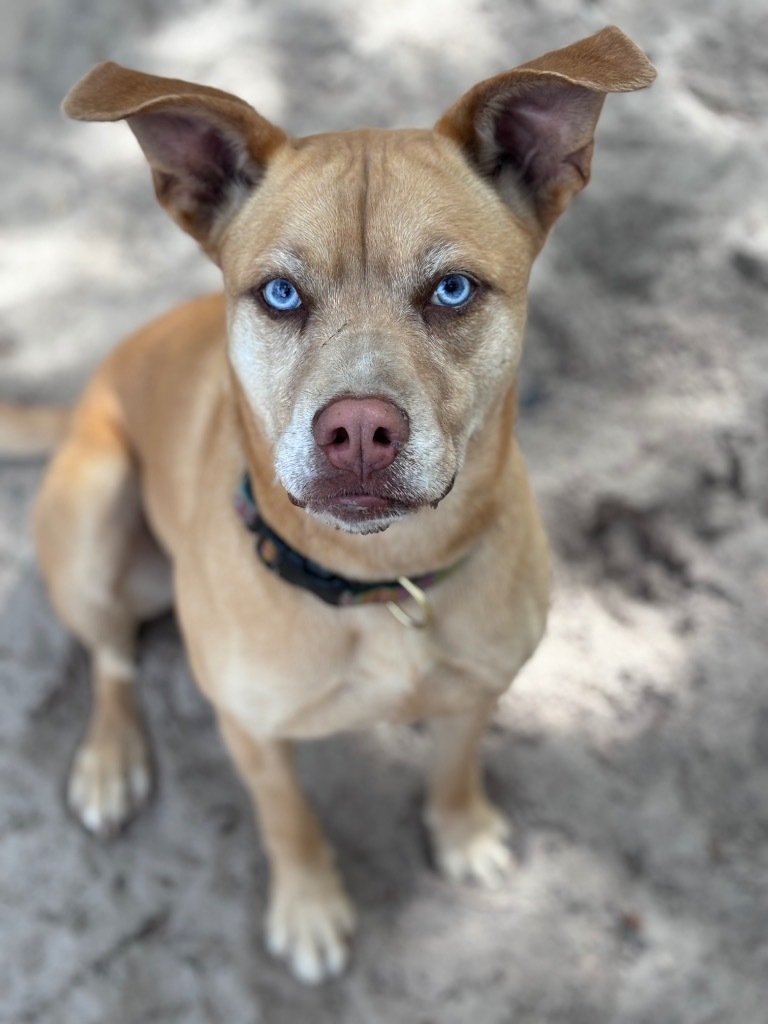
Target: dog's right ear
x: 206, y: 148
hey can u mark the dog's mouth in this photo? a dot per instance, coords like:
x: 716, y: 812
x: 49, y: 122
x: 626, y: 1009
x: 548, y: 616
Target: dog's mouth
x: 364, y: 508
x: 356, y: 508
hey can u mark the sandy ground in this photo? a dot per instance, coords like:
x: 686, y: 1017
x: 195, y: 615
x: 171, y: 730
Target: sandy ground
x: 633, y: 752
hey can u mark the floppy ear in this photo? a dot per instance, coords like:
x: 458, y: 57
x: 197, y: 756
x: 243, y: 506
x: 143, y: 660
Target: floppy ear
x: 531, y: 130
x: 206, y: 148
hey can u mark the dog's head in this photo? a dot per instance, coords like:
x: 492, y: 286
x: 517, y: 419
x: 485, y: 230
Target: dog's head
x: 376, y: 280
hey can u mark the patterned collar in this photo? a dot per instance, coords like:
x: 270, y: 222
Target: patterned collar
x: 286, y: 562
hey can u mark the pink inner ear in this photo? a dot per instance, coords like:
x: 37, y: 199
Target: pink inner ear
x: 546, y: 130
x: 188, y: 147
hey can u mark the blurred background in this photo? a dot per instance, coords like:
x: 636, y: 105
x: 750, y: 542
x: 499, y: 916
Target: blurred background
x: 632, y: 754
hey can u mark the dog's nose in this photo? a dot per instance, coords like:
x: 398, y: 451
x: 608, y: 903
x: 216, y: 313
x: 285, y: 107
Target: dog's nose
x: 361, y: 434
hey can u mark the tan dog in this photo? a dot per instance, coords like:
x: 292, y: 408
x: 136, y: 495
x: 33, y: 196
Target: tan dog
x: 361, y: 368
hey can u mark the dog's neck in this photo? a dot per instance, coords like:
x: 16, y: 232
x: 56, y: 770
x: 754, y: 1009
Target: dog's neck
x: 486, y: 481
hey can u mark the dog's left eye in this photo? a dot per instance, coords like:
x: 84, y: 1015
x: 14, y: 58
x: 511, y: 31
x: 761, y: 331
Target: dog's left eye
x: 280, y: 294
x: 453, y: 290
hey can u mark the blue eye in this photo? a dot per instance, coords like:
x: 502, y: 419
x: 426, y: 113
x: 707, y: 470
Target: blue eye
x: 281, y: 294
x: 453, y: 290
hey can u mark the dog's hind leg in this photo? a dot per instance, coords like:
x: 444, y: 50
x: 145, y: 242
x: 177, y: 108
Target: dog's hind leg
x: 468, y: 833
x: 92, y: 543
x: 310, y: 916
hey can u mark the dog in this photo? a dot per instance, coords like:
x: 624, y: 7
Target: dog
x: 318, y: 468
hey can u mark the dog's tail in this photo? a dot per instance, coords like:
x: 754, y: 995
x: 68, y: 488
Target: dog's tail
x: 31, y: 431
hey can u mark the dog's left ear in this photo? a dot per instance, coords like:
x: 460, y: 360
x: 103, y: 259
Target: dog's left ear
x: 531, y: 130
x: 207, y: 149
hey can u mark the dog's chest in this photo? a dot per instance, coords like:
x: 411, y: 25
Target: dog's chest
x: 386, y: 674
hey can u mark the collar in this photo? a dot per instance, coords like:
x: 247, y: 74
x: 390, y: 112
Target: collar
x: 278, y: 556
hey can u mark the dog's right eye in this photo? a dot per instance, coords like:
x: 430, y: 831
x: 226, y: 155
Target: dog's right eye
x: 280, y: 294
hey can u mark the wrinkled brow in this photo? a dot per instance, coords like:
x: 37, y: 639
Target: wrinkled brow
x: 282, y: 260
x: 443, y: 255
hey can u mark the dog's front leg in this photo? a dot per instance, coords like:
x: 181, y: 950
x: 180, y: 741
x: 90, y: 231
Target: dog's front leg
x: 468, y: 833
x: 310, y: 916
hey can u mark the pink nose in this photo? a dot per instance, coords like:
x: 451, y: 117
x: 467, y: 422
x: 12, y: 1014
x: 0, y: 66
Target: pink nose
x: 361, y: 434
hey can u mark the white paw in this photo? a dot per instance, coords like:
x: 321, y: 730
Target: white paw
x: 471, y: 847
x: 110, y: 778
x: 309, y: 923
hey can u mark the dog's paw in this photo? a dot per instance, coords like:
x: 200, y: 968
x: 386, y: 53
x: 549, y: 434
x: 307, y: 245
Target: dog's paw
x: 309, y: 923
x: 471, y: 846
x: 111, y: 776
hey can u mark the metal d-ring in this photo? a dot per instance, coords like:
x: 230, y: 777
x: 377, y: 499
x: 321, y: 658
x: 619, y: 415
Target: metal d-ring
x: 422, y: 603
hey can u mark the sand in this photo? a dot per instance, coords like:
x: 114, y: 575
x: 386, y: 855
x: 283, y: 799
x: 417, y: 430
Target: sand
x: 632, y: 753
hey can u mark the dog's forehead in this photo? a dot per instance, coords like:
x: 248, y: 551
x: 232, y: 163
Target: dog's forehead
x: 375, y: 201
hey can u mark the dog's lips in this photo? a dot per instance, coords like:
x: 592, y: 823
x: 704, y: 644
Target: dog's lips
x: 355, y: 508
x: 363, y: 502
